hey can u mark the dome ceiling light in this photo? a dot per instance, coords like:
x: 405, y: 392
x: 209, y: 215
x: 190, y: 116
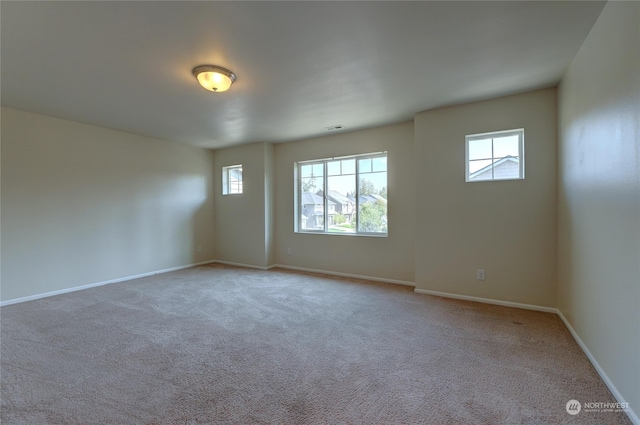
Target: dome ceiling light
x: 214, y: 78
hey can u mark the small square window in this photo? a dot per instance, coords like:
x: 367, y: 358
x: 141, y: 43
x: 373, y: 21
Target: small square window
x: 495, y: 156
x: 232, y: 180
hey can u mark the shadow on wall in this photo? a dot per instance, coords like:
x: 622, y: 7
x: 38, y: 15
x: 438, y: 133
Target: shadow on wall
x: 201, y: 222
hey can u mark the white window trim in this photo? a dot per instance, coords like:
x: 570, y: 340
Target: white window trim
x: 226, y: 181
x: 298, y: 195
x: 469, y: 138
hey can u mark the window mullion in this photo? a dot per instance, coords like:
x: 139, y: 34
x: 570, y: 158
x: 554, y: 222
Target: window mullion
x: 521, y: 154
x: 325, y: 181
x: 357, y: 196
x: 300, y: 200
x: 493, y: 161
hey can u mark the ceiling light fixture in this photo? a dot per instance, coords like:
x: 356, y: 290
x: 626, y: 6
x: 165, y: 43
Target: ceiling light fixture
x: 214, y: 78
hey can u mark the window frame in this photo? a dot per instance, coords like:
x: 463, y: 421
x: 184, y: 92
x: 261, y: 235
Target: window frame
x: 226, y: 180
x: 324, y: 161
x: 493, y: 135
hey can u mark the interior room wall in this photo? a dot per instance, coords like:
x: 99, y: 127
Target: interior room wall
x: 599, y: 196
x: 507, y: 228
x: 242, y: 223
x: 270, y: 199
x: 83, y: 204
x: 385, y: 258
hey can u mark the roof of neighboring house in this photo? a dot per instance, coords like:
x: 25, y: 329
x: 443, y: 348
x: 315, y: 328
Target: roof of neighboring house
x: 338, y: 197
x: 369, y: 198
x: 309, y: 198
x: 506, y: 159
x: 380, y: 198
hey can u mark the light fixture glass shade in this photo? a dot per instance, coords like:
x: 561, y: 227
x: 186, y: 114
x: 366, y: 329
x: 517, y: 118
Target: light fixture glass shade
x: 214, y: 78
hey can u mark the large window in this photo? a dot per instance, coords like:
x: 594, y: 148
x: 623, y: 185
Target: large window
x: 346, y: 195
x: 232, y: 180
x: 495, y: 156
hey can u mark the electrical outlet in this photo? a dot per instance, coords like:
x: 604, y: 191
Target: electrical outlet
x: 289, y: 251
x: 480, y: 274
x: 199, y: 248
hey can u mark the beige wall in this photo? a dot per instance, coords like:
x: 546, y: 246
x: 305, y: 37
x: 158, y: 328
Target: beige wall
x: 270, y: 198
x: 244, y: 234
x: 599, y: 196
x: 82, y: 204
x: 391, y: 257
x: 507, y: 228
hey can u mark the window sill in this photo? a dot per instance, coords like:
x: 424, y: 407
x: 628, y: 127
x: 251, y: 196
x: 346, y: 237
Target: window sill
x: 368, y: 235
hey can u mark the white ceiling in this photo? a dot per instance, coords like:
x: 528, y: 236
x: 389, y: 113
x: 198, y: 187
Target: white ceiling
x: 301, y: 66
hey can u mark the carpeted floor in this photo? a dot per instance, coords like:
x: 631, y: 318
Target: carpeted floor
x: 224, y: 345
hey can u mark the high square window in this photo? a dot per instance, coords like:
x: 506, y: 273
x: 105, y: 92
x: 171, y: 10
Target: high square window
x: 232, y: 180
x: 495, y: 156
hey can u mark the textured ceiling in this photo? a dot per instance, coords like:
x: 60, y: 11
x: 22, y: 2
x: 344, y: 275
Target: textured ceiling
x: 301, y: 66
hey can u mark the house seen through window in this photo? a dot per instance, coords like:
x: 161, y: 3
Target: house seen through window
x: 495, y: 156
x: 232, y: 180
x: 346, y: 195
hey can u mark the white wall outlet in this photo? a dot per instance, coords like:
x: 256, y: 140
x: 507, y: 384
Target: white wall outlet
x: 199, y: 248
x: 289, y: 251
x: 480, y: 274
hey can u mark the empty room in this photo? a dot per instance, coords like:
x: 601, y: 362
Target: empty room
x: 362, y: 212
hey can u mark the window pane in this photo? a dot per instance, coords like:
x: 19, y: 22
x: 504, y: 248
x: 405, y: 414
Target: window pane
x: 506, y: 146
x: 372, y: 203
x: 480, y: 149
x: 364, y: 165
x: 235, y: 180
x: 311, y: 199
x: 379, y: 163
x: 318, y: 169
x: 475, y: 166
x: 341, y: 215
x: 333, y: 168
x: 306, y: 170
x: 235, y: 173
x: 348, y: 166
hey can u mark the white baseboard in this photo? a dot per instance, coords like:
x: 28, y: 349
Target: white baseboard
x: 487, y: 300
x: 350, y: 275
x: 630, y: 413
x: 93, y: 285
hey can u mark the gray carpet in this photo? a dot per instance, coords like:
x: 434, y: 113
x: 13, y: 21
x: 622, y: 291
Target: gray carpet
x: 224, y: 345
